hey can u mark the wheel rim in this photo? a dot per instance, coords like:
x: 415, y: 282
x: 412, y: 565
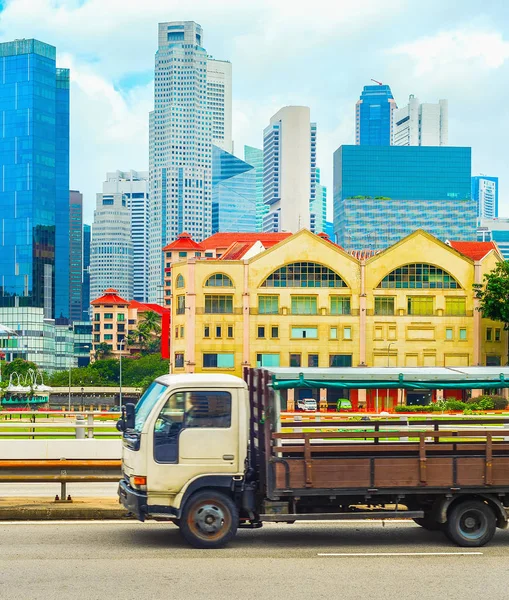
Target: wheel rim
x: 473, y: 524
x: 209, y: 520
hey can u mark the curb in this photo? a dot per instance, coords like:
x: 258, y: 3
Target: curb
x: 40, y: 509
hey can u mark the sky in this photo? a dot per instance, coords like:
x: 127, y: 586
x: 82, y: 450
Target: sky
x: 283, y: 52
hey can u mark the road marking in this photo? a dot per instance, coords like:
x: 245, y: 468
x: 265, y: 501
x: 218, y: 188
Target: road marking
x: 399, y: 553
x: 82, y: 522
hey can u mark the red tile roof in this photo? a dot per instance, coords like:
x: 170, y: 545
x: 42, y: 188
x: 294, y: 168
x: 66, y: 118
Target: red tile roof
x: 110, y: 297
x: 183, y: 242
x: 145, y: 307
x: 237, y: 250
x: 225, y: 240
x: 474, y: 250
x: 325, y: 237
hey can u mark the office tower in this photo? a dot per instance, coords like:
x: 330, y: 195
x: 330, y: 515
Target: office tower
x: 34, y: 165
x: 75, y: 255
x: 485, y: 193
x: 111, y: 248
x: 374, y: 116
x: 381, y: 194
x: 134, y: 186
x: 254, y: 157
x: 289, y: 169
x: 419, y: 124
x: 495, y: 230
x: 185, y: 121
x: 85, y: 301
x: 233, y: 193
x: 319, y: 207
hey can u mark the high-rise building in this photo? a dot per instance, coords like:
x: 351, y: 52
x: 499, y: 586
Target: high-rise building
x: 289, y: 169
x: 134, y: 186
x: 374, y: 116
x: 319, y: 207
x: 34, y: 162
x: 85, y: 286
x: 111, y: 248
x: 381, y: 194
x: 233, y: 193
x: 75, y: 255
x: 485, y: 193
x: 189, y: 90
x: 419, y: 124
x: 254, y: 157
x: 495, y: 230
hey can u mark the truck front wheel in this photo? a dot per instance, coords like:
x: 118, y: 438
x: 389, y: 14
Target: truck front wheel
x: 209, y: 520
x: 471, y: 524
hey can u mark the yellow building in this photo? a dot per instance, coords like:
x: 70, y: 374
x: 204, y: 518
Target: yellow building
x: 306, y: 302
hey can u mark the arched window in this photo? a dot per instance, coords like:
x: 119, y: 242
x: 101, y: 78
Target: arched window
x: 219, y: 280
x: 180, y: 283
x: 304, y: 275
x: 419, y: 276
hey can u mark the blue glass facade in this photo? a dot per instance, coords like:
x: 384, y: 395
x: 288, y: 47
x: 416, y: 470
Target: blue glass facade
x: 233, y: 193
x: 485, y: 193
x: 374, y: 116
x: 381, y: 194
x: 34, y: 188
x: 85, y: 286
x: 254, y: 157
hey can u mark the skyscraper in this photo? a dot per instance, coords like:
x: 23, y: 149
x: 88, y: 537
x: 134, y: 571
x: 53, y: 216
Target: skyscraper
x: 192, y: 93
x: 289, y: 169
x: 85, y: 294
x: 134, y: 186
x: 75, y: 255
x: 374, y: 116
x: 319, y: 207
x: 485, y: 193
x: 233, y: 193
x: 419, y: 124
x: 254, y: 157
x: 34, y: 163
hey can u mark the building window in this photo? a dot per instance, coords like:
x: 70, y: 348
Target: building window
x: 420, y: 305
x: 120, y: 327
x: 497, y: 335
x: 183, y: 254
x: 295, y: 360
x: 304, y: 275
x: 176, y: 333
x: 419, y: 276
x: 97, y: 317
x: 274, y: 332
x: 219, y: 331
x: 347, y: 333
x: 219, y: 360
x: 261, y: 331
x: 97, y: 327
x: 120, y: 317
x: 268, y: 305
x: 384, y: 306
x: 333, y: 333
x: 340, y: 360
x: 219, y: 280
x: 340, y: 305
x: 463, y: 334
x: 108, y: 336
x: 267, y: 360
x: 108, y: 326
x: 304, y: 332
x: 206, y: 331
x: 180, y: 283
x: 493, y: 361
x: 218, y: 304
x: 97, y: 337
x: 312, y: 360
x: 489, y: 334
x: 230, y: 331
x: 179, y: 360
x: 108, y: 315
x: 455, y: 307
x: 448, y: 333
x: 181, y: 304
x: 181, y: 331
x: 304, y: 305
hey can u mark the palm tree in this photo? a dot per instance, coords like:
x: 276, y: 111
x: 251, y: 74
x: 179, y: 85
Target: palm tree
x: 152, y: 321
x: 102, y: 351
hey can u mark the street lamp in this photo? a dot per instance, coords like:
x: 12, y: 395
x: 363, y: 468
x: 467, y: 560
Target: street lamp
x: 121, y: 344
x: 70, y: 363
x: 388, y: 360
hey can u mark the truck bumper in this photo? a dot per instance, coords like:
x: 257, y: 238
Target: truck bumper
x: 133, y: 500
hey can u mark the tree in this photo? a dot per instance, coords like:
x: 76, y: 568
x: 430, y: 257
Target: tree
x: 146, y: 336
x: 19, y: 366
x: 102, y: 351
x: 493, y: 294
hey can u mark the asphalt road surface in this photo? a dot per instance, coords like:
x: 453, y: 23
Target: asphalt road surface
x: 346, y: 561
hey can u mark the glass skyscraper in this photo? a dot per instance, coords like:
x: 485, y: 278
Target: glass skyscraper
x: 86, y: 273
x: 34, y: 190
x: 233, y: 193
x: 75, y: 255
x: 319, y: 207
x: 485, y: 193
x: 381, y: 194
x: 254, y: 157
x: 374, y: 116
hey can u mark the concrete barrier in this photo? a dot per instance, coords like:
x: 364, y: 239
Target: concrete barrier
x: 57, y: 449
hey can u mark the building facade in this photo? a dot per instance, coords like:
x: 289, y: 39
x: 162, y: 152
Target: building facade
x: 85, y: 300
x: 75, y: 255
x: 34, y: 198
x: 319, y: 207
x: 374, y: 116
x: 182, y: 127
x: 381, y: 194
x: 219, y: 102
x: 419, y: 124
x: 289, y: 169
x: 485, y: 193
x: 233, y: 193
x: 495, y: 230
x: 254, y: 157
x: 111, y: 247
x: 305, y: 302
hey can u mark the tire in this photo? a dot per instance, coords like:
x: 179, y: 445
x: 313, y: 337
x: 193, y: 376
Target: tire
x: 471, y: 524
x: 429, y: 524
x: 209, y: 520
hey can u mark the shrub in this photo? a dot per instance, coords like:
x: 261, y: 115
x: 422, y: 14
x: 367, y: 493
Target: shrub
x: 412, y: 409
x: 499, y: 402
x: 455, y: 405
x: 488, y: 402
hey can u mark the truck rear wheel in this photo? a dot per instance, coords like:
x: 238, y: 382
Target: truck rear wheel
x: 471, y: 524
x: 209, y: 520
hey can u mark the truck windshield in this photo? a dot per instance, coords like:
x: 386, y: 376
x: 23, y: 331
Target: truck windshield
x: 147, y: 403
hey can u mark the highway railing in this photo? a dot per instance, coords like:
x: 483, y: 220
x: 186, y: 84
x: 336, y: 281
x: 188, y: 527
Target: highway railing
x: 57, y: 424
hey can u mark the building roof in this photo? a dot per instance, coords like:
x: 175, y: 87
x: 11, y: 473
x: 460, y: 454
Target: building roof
x: 363, y: 254
x: 110, y: 297
x: 237, y: 250
x: 474, y: 250
x: 146, y: 306
x: 225, y: 240
x: 183, y: 242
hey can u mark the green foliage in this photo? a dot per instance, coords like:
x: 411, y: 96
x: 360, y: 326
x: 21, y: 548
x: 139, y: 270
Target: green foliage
x: 412, y: 409
x: 493, y: 294
x: 102, y: 350
x: 17, y: 365
x: 488, y: 402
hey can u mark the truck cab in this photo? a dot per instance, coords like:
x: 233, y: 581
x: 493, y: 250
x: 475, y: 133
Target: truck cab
x: 188, y: 434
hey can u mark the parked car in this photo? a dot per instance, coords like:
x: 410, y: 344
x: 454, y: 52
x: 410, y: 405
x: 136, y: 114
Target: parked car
x: 307, y: 404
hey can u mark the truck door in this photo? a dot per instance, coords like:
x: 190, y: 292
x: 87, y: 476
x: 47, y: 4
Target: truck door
x: 195, y: 433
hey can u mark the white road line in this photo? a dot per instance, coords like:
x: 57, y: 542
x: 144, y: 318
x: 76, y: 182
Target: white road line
x: 399, y: 554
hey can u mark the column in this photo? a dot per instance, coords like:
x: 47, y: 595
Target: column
x: 190, y: 358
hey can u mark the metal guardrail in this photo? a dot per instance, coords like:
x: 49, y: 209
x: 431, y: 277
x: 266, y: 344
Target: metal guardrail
x: 58, y: 424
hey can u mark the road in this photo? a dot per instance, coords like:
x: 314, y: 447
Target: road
x: 102, y: 560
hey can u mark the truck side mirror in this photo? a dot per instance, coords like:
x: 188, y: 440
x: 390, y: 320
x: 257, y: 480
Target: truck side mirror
x: 129, y: 415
